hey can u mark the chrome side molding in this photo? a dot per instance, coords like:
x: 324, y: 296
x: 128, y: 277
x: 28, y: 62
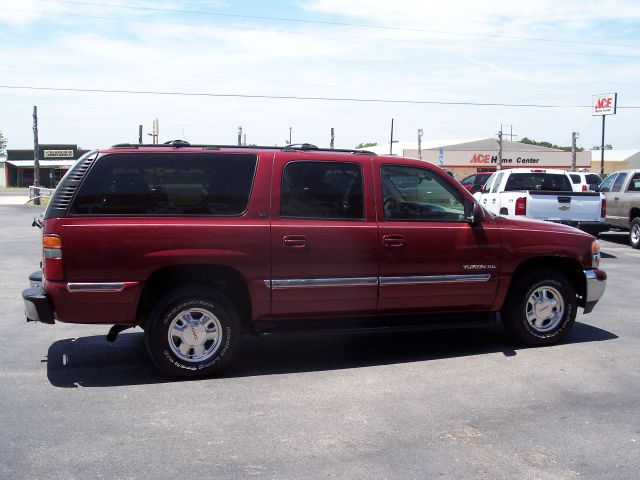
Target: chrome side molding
x: 96, y: 287
x: 371, y: 281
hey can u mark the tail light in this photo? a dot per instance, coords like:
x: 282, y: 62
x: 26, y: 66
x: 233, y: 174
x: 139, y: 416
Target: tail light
x: 584, y: 188
x: 603, y: 208
x: 52, y: 257
x: 595, y: 254
x: 521, y: 206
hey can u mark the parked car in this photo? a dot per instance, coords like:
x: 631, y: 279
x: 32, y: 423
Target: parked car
x: 199, y: 244
x: 543, y: 194
x: 476, y: 181
x: 622, y: 191
x: 584, y: 181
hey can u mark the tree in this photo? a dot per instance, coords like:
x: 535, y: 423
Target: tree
x: 528, y: 141
x: 606, y: 147
x: 3, y: 144
x: 366, y: 145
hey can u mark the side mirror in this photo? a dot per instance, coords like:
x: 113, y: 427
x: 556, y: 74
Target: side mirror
x: 475, y: 188
x: 473, y: 213
x: 594, y: 187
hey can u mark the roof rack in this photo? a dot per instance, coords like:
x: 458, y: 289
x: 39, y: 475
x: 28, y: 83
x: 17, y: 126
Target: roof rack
x: 287, y: 148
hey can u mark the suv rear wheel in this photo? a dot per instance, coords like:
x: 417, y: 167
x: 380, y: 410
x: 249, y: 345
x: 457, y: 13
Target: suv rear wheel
x: 541, y: 308
x: 192, y: 332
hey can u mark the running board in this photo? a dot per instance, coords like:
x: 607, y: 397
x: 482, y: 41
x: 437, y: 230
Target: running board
x: 375, y: 325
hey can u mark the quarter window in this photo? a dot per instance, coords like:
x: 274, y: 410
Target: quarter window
x: 323, y: 190
x: 167, y: 184
x: 416, y: 194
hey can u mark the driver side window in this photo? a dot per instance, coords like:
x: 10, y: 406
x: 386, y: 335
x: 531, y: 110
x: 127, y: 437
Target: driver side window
x: 416, y: 194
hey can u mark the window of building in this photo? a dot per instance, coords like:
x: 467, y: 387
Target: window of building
x: 322, y: 190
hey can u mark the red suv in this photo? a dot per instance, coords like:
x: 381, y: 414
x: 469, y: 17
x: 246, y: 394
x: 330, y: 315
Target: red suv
x: 476, y: 180
x: 197, y: 244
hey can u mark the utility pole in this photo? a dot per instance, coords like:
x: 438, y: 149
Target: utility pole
x: 239, y: 136
x: 511, y: 134
x: 602, y: 148
x: 574, y: 136
x: 244, y: 139
x: 420, y: 143
x: 139, y: 134
x: 290, y: 128
x: 36, y: 160
x: 333, y: 136
x: 499, y: 166
x: 391, y: 142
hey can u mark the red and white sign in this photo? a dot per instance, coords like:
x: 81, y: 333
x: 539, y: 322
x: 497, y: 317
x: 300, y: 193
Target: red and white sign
x: 604, y: 104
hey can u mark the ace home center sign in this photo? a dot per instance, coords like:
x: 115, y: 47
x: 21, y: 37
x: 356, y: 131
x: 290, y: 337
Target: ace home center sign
x: 604, y: 104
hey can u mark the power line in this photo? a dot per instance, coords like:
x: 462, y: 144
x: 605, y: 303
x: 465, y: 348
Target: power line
x: 344, y: 24
x: 307, y: 34
x: 297, y: 97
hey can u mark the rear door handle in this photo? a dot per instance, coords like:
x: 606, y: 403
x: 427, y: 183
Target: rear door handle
x: 394, y: 241
x: 294, y: 241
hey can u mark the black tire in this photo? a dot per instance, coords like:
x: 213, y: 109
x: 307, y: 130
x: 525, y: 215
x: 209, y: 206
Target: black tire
x: 540, y: 331
x: 205, y: 313
x: 634, y: 233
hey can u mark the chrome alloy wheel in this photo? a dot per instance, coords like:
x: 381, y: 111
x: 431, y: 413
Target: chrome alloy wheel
x: 195, y: 334
x: 545, y: 308
x: 635, y: 233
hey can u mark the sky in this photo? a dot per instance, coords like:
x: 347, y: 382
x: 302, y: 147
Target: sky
x: 461, y: 51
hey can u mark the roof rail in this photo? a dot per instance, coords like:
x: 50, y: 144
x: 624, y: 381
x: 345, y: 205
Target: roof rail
x: 306, y: 147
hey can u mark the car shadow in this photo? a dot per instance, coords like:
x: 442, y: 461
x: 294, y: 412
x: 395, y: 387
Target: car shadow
x: 94, y: 362
x: 621, y: 238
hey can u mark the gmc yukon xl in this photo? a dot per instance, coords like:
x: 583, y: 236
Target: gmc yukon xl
x: 197, y: 244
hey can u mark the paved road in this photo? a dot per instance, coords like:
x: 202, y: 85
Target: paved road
x: 462, y: 404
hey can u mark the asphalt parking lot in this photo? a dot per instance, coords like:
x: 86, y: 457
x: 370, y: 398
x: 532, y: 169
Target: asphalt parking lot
x: 457, y: 404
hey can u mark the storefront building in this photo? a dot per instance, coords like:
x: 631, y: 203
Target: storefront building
x: 464, y: 157
x: 54, y: 161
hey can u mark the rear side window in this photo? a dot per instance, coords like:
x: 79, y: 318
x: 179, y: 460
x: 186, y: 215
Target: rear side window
x: 634, y: 184
x: 167, y: 184
x: 549, y: 182
x: 575, y: 179
x: 324, y: 190
x: 617, y: 185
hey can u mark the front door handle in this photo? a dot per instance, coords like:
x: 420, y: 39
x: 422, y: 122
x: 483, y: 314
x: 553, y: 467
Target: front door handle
x: 295, y: 241
x: 394, y: 241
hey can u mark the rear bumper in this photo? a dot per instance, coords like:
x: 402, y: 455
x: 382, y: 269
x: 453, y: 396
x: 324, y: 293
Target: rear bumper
x: 596, y: 283
x: 37, y: 306
x: 594, y: 228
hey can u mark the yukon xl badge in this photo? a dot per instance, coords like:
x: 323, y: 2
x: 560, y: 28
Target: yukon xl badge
x: 479, y: 267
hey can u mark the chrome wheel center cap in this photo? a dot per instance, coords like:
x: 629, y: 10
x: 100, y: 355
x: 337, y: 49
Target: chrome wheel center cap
x: 194, y: 334
x: 543, y: 310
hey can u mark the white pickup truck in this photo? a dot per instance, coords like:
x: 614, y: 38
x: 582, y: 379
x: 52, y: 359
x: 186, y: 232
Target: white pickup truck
x: 543, y: 194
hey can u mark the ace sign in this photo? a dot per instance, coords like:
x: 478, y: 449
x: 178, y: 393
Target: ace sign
x: 604, y: 104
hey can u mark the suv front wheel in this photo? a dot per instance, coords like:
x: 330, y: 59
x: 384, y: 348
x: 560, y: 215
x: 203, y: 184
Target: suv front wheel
x: 192, y: 332
x: 541, y: 308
